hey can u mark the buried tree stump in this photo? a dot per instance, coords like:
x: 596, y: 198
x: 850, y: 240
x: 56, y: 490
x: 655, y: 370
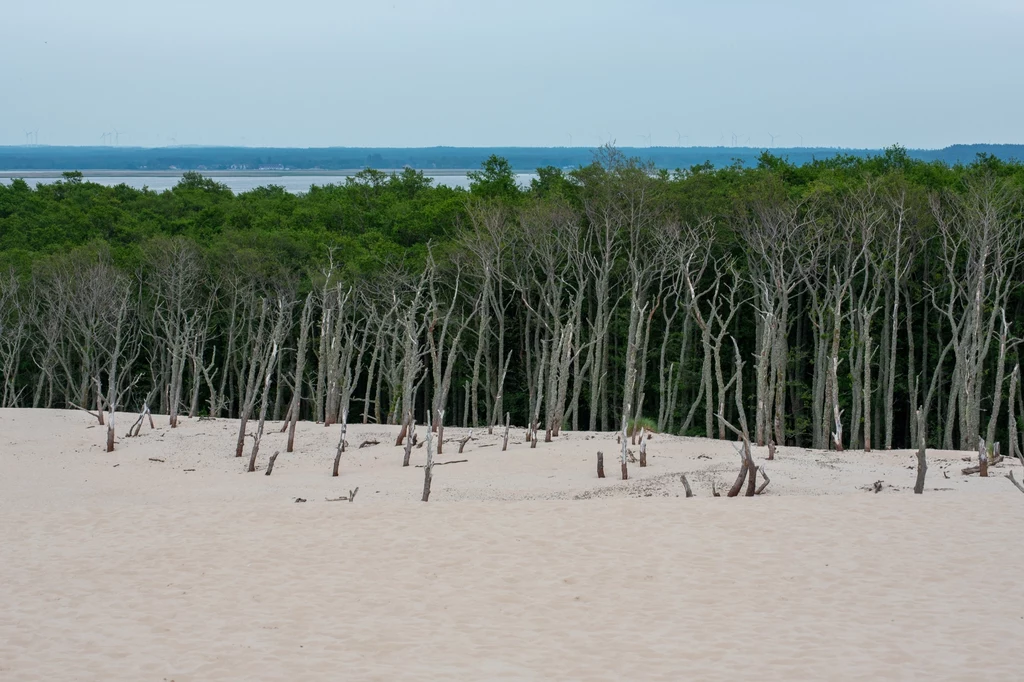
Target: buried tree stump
x: 270, y: 464
x: 600, y: 464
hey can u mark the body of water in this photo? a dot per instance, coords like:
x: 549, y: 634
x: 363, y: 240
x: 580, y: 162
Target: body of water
x: 295, y: 184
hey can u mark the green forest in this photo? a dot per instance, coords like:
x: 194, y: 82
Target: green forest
x: 845, y: 303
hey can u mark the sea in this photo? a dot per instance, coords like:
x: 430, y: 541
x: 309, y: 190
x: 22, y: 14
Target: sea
x: 296, y: 184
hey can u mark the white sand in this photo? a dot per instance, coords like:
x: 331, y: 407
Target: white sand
x: 145, y: 571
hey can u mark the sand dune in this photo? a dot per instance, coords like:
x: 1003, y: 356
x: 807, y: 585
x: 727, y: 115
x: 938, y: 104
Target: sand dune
x: 146, y: 571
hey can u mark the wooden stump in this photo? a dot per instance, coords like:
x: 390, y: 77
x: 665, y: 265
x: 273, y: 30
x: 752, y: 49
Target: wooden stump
x: 504, y: 442
x: 270, y: 464
x: 686, y: 485
x: 982, y: 458
x: 625, y: 472
x: 600, y: 464
x: 643, y: 449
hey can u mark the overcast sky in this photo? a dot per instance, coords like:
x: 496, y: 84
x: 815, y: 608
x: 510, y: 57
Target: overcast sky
x: 867, y: 73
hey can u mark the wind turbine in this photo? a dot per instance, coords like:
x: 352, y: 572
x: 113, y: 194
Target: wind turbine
x: 773, y: 138
x: 679, y: 138
x: 117, y: 137
x: 801, y: 139
x: 570, y: 138
x: 36, y: 134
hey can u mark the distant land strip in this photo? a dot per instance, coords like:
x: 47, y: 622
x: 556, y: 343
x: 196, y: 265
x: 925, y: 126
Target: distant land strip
x: 434, y: 160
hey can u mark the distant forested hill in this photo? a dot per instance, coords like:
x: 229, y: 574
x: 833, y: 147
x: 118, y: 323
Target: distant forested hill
x: 43, y: 158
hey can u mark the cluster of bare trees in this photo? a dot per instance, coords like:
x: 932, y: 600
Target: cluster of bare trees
x: 848, y: 312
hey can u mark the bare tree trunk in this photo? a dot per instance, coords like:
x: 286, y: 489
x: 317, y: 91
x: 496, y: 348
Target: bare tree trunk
x: 300, y: 364
x: 264, y: 401
x: 428, y: 469
x: 624, y: 456
x: 922, y: 463
x: 409, y: 441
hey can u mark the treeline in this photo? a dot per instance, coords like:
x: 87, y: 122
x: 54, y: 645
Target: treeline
x: 848, y: 294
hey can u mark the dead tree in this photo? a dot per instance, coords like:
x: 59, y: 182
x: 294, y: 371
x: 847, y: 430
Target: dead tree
x: 121, y: 345
x: 14, y: 318
x: 341, y: 442
x: 410, y: 441
x: 177, y: 273
x: 922, y: 463
x: 504, y: 440
x: 643, y: 447
x: 773, y: 237
x: 264, y: 401
x: 600, y: 464
x: 262, y: 354
x: 300, y: 365
x: 411, y: 326
x: 623, y: 440
x: 428, y: 468
x: 981, y: 237
x: 686, y: 485
x: 462, y: 443
x: 748, y: 469
x: 442, y: 332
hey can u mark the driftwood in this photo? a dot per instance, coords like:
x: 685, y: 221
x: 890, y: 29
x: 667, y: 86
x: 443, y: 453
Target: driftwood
x: 441, y: 464
x: 982, y: 458
x: 351, y: 496
x: 368, y: 443
x: 877, y: 486
x: 270, y: 463
x: 686, y: 485
x: 714, y: 492
x: 155, y: 459
x: 462, y: 442
x: 600, y: 464
x: 1015, y: 482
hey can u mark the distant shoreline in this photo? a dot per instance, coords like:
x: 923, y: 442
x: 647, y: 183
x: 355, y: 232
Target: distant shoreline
x: 112, y: 173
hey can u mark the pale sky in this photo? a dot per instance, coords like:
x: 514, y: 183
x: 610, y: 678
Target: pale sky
x: 867, y: 73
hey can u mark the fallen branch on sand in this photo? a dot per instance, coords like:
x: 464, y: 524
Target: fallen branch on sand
x: 686, y: 485
x: 368, y: 443
x: 441, y: 464
x: 351, y: 496
x: 1015, y: 482
x: 155, y: 459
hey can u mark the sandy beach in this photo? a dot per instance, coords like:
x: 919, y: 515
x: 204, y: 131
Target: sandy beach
x: 523, y: 566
